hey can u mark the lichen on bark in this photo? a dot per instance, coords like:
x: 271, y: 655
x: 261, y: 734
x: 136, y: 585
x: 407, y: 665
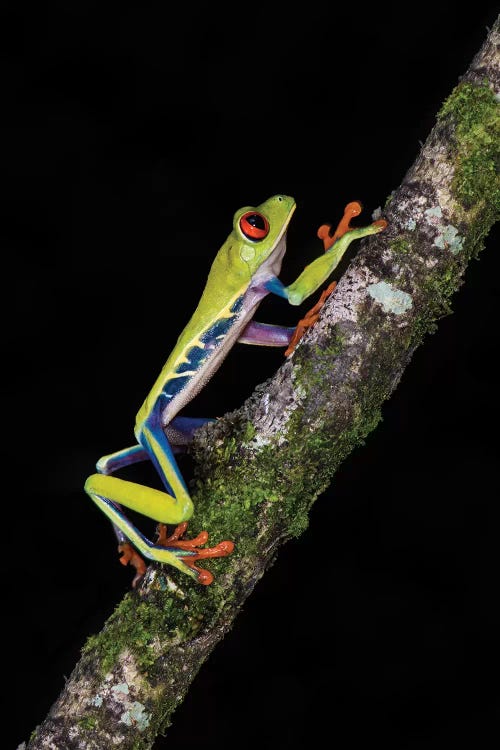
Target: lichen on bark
x: 259, y: 469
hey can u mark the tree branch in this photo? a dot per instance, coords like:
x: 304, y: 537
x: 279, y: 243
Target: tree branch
x: 260, y: 468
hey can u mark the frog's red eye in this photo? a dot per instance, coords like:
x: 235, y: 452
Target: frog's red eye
x: 255, y: 226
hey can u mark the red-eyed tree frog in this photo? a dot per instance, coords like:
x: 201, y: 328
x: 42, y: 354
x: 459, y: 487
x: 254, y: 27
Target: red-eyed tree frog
x: 244, y: 271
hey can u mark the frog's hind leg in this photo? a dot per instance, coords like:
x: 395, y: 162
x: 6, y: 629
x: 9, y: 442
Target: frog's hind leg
x: 171, y: 507
x: 157, y: 444
x: 180, y: 433
x: 110, y: 493
x: 108, y: 465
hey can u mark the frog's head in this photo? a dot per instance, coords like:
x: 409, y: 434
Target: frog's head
x: 261, y: 233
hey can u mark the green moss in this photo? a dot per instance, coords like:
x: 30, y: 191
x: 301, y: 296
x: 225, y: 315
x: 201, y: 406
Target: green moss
x: 312, y: 451
x: 88, y: 722
x: 401, y: 245
x: 248, y: 433
x: 438, y: 290
x: 135, y: 625
x: 312, y: 468
x: 222, y: 504
x: 475, y: 115
x: 433, y: 297
x: 389, y: 198
x: 311, y: 361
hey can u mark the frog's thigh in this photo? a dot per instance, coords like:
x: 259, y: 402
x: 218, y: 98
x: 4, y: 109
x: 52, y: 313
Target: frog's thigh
x: 146, y: 500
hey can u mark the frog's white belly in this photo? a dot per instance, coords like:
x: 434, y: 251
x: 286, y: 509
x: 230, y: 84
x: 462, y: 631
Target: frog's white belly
x: 181, y: 387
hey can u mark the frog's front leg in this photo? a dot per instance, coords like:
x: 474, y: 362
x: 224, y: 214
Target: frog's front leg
x: 266, y: 334
x: 171, y: 507
x: 317, y: 272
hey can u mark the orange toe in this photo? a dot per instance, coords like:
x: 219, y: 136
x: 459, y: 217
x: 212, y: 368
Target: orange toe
x: 129, y: 556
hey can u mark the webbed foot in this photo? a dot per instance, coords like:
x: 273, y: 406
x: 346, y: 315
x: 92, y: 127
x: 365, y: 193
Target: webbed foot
x: 191, y: 545
x: 350, y: 211
x: 309, y: 319
x: 325, y: 231
x: 130, y: 556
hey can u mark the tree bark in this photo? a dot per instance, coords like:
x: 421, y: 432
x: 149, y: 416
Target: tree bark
x: 260, y: 468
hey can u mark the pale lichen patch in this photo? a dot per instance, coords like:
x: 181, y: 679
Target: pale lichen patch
x: 121, y: 688
x: 392, y: 300
x: 450, y: 239
x: 434, y: 215
x: 136, y: 715
x: 447, y: 236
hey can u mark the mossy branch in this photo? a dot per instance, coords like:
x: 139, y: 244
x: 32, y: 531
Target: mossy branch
x: 260, y: 468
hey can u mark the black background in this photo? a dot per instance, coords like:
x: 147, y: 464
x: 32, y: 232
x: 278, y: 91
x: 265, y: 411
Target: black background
x: 130, y: 136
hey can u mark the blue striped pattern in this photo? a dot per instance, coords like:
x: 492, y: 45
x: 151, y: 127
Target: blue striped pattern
x: 197, y: 355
